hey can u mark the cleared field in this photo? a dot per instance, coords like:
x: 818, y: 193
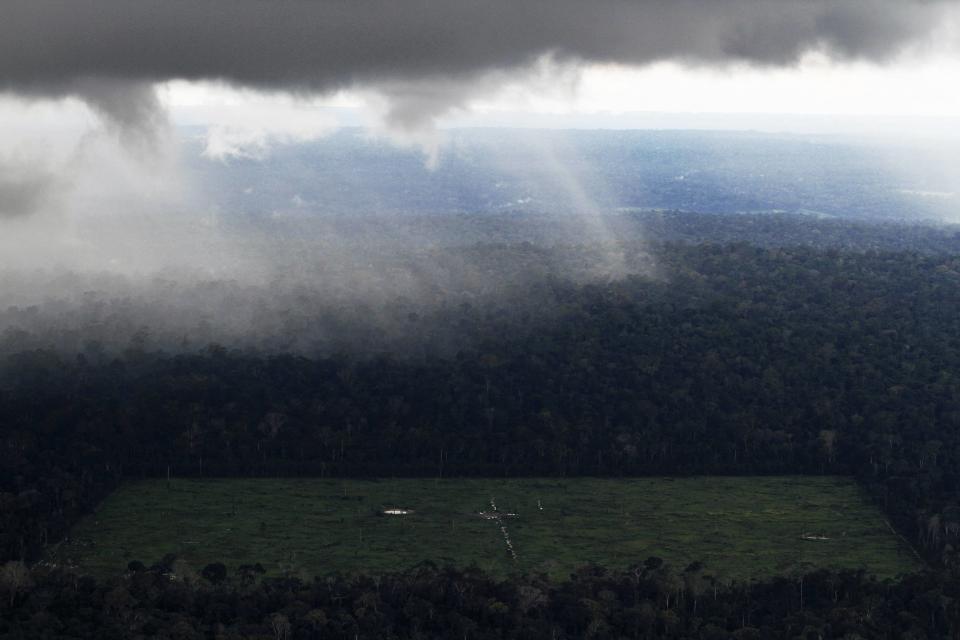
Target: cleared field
x: 739, y: 527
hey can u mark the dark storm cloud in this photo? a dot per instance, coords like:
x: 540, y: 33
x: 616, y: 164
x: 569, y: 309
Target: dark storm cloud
x: 428, y: 51
x: 130, y: 106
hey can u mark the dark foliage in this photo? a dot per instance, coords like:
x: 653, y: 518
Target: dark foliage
x: 650, y: 601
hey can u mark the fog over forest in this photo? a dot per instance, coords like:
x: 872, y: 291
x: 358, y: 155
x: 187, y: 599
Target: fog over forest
x: 334, y: 245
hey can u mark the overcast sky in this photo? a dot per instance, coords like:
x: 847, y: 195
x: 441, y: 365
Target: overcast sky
x: 414, y: 64
x: 817, y: 94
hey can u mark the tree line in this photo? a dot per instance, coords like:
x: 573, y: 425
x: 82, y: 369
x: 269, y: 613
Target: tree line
x: 649, y: 600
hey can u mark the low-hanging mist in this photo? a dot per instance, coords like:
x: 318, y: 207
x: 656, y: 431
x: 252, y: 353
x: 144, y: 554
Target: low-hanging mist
x: 350, y: 244
x: 352, y: 300
x: 156, y: 251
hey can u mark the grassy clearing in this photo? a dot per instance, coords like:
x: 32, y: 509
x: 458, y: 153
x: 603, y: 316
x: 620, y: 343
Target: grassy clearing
x: 739, y: 527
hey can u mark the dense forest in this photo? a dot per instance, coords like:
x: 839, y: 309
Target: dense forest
x: 350, y: 285
x: 650, y: 600
x: 724, y: 359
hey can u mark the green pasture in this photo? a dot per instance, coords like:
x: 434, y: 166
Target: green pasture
x: 738, y: 527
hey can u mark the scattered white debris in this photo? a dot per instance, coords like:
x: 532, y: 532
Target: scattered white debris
x: 810, y: 536
x: 496, y: 515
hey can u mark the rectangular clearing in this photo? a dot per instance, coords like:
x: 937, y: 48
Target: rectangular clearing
x: 738, y: 527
